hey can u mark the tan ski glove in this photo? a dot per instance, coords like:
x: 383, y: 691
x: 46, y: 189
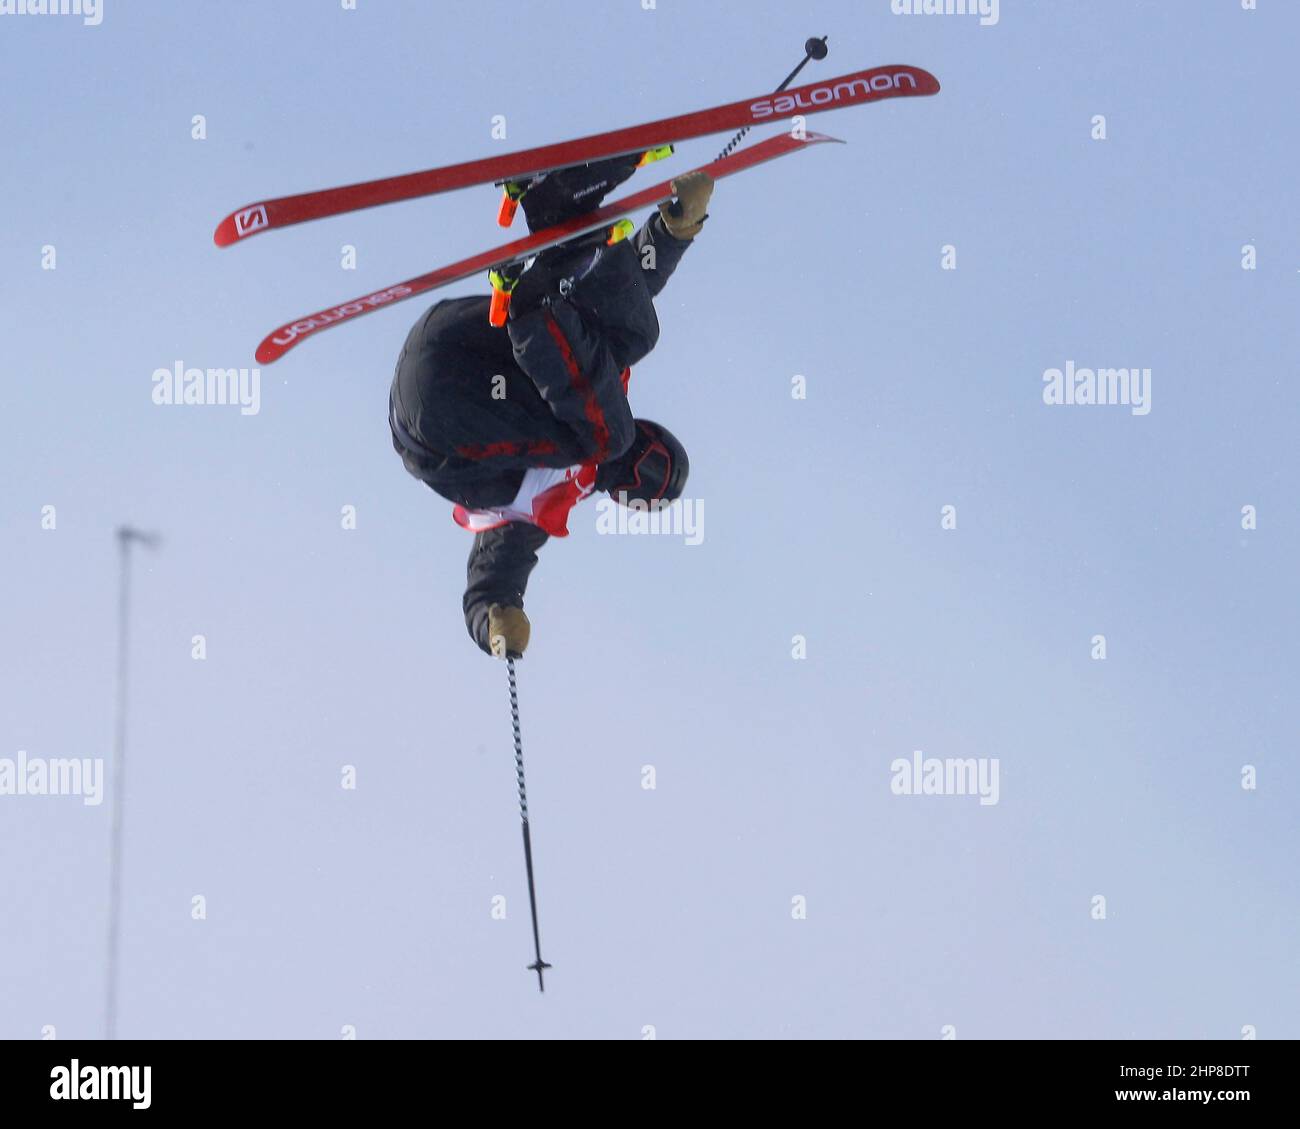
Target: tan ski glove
x: 691, y: 206
x: 508, y: 631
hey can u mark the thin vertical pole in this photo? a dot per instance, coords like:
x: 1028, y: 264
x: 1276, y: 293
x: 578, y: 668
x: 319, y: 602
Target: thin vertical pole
x: 124, y: 537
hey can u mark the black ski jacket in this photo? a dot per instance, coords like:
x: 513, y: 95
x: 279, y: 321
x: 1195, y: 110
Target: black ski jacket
x: 472, y: 407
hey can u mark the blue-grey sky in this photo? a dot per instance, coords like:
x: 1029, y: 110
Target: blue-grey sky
x: 676, y: 907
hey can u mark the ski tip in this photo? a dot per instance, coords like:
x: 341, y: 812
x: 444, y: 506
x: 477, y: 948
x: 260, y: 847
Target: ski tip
x: 268, y: 352
x: 225, y: 235
x: 926, y: 82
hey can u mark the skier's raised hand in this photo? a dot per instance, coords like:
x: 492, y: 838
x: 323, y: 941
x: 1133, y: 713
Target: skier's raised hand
x: 508, y: 631
x: 684, y: 217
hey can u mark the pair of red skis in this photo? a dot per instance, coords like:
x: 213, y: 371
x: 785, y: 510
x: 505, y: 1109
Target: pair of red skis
x: 849, y: 90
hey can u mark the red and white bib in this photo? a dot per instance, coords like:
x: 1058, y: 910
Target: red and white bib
x: 545, y: 498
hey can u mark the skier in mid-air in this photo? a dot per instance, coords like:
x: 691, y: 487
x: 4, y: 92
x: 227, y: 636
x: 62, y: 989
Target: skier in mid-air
x: 516, y: 425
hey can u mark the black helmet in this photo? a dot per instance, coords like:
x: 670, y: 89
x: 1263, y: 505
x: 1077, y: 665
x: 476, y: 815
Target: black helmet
x: 652, y: 469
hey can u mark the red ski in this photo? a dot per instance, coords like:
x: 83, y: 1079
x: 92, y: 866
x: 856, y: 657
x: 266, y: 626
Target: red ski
x: 849, y: 90
x: 287, y: 336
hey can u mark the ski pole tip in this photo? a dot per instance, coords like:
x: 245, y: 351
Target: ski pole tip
x: 537, y: 967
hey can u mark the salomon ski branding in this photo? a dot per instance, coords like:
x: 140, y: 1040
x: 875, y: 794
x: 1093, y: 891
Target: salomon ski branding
x: 821, y: 97
x: 859, y: 88
x: 290, y: 333
x: 285, y: 338
x: 250, y: 220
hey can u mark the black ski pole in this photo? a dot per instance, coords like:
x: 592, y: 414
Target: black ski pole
x: 539, y: 964
x: 813, y: 49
